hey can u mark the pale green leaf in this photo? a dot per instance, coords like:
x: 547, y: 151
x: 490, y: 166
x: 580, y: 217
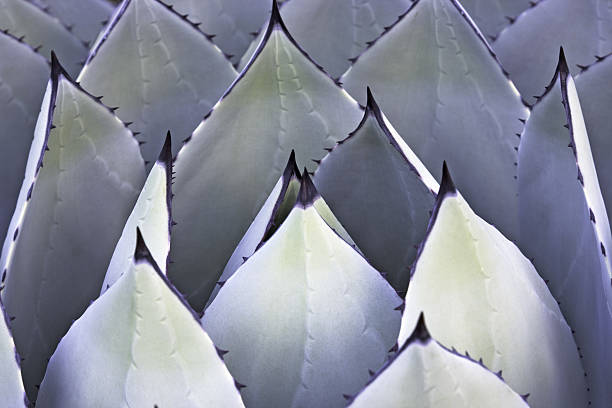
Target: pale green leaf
x: 71, y: 209
x: 23, y: 77
x: 528, y: 48
x: 381, y: 192
x: 42, y: 32
x: 159, y: 70
x: 227, y: 170
x: 424, y: 374
x: 138, y: 345
x: 305, y: 317
x: 12, y: 393
x: 484, y: 298
x: 152, y: 215
x: 564, y: 224
x: 440, y: 85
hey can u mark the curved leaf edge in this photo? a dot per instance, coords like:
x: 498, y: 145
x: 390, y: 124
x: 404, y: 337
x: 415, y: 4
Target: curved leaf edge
x: 7, y: 321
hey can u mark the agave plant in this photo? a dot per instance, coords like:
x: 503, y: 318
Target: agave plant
x: 306, y: 245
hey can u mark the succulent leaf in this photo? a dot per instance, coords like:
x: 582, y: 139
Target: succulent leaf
x: 335, y: 32
x: 424, y: 374
x: 87, y: 180
x: 381, y: 192
x: 42, y: 32
x: 528, y: 48
x: 440, y: 85
x: 160, y: 70
x: 327, y: 315
x: 482, y: 296
x: 280, y: 102
x: 151, y: 215
x: 232, y: 22
x: 564, y: 225
x: 84, y: 17
x: 138, y: 345
x: 595, y: 94
x: 492, y: 16
x: 12, y: 392
x: 23, y: 78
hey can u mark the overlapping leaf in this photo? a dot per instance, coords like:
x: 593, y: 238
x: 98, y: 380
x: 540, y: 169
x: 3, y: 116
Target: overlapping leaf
x: 442, y: 88
x: 333, y: 33
x: 159, y: 69
x: 42, y: 32
x: 528, y: 48
x: 227, y: 170
x: 82, y: 178
x: 232, y: 22
x: 482, y: 296
x: 23, y: 76
x: 138, y: 345
x: 492, y: 16
x: 12, y: 393
x: 305, y: 317
x: 425, y: 374
x: 152, y: 215
x: 564, y: 225
x: 596, y: 94
x: 85, y: 18
x: 381, y: 192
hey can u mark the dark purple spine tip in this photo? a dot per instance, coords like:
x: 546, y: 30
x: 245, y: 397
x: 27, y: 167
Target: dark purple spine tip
x: 291, y: 169
x: 308, y: 193
x: 420, y: 332
x: 165, y: 156
x: 562, y: 65
x: 142, y: 252
x: 447, y: 186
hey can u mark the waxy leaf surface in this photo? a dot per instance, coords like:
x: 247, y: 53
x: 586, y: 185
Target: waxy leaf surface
x: 12, y: 393
x: 152, y: 215
x: 23, y: 78
x: 161, y: 71
x: 528, y: 48
x: 72, y: 206
x: 446, y: 94
x: 424, y: 374
x: 138, y: 345
x: 482, y: 297
x: 492, y: 16
x: 564, y: 225
x: 227, y: 170
x: 43, y: 32
x: 381, y: 193
x: 305, y: 317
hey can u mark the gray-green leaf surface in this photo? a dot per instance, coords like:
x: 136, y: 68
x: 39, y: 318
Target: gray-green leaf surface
x: 12, y: 392
x: 159, y: 70
x: 440, y: 85
x: 71, y: 209
x: 564, y: 225
x: 227, y: 170
x: 492, y: 16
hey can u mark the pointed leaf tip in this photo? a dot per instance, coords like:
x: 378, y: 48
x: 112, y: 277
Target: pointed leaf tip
x: 275, y: 17
x: 292, y: 167
x: 562, y: 65
x: 420, y: 332
x: 308, y: 193
x: 165, y: 156
x: 141, y: 252
x: 447, y: 186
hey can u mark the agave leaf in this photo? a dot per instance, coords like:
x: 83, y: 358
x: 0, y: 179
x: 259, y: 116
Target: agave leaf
x: 564, y: 225
x: 382, y: 193
x: 527, y: 48
x: 232, y: 22
x: 158, y: 354
x: 42, y: 32
x: 85, y: 18
x: 12, y: 393
x: 152, y: 215
x: 282, y: 101
x: 492, y: 16
x: 170, y: 72
x: 595, y: 93
x: 88, y: 180
x: 481, y: 295
x: 425, y: 374
x: 441, y: 86
x: 23, y: 77
x: 333, y: 33
x: 327, y: 315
